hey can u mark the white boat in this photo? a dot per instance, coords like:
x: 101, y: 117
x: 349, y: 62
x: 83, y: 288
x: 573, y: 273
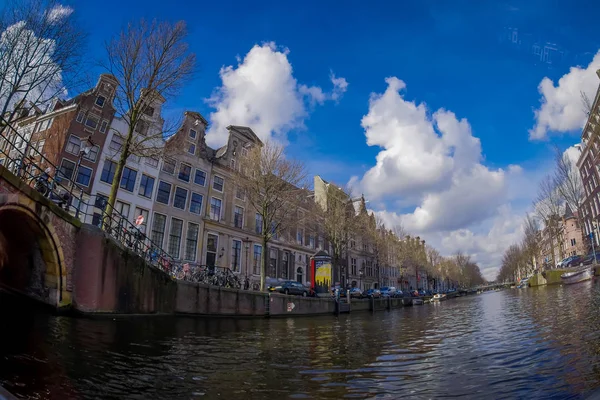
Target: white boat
x: 439, y: 297
x: 577, y: 276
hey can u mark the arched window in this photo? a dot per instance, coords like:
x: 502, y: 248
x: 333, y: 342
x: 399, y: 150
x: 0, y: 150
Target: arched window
x: 300, y: 275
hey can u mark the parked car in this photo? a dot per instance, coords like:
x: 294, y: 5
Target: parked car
x: 388, y: 291
x: 563, y: 263
x: 398, y: 293
x: 575, y: 261
x: 291, y: 287
x: 589, y: 259
x: 355, y: 292
x: 375, y: 293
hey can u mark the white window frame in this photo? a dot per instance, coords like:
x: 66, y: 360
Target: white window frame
x: 205, y: 176
x: 185, y: 246
x: 103, y: 102
x: 165, y: 163
x: 77, y: 174
x: 186, y: 197
x: 210, y: 210
x: 195, y: 133
x: 243, y: 211
x: 236, y: 268
x: 222, y: 186
x: 76, y: 153
x: 181, y: 164
x: 201, y: 203
x: 103, y: 126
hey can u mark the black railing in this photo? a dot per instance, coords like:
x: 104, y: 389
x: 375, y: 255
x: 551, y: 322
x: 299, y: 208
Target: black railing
x: 25, y: 161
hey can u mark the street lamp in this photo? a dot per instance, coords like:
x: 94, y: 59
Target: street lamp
x: 360, y: 274
x: 86, y: 148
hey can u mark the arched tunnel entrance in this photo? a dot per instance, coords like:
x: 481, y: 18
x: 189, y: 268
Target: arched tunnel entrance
x: 29, y: 259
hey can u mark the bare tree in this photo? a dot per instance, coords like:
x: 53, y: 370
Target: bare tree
x: 569, y: 185
x: 151, y: 62
x: 531, y: 246
x: 548, y: 208
x: 40, y: 54
x: 339, y: 223
x: 586, y: 103
x: 274, y: 185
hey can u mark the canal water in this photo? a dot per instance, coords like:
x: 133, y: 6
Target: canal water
x: 532, y: 343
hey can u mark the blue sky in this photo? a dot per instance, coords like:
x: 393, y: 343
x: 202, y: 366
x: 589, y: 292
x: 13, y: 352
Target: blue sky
x: 451, y: 55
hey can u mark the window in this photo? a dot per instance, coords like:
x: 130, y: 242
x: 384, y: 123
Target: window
x: 141, y: 127
x: 158, y: 229
x: 100, y: 101
x: 91, y: 122
x: 180, y: 198
x: 146, y: 186
x: 300, y: 236
x: 67, y: 168
x: 169, y: 166
x: 215, y: 209
x: 311, y: 241
x: 93, y: 154
x: 97, y: 220
x: 101, y: 201
x: 257, y: 259
x: 258, y: 224
x: 232, y: 164
x: 128, y: 179
x: 144, y: 214
x: 191, y: 148
x: 200, y: 177
x: 300, y: 275
x: 164, y: 192
x: 218, y: 183
x: 149, y: 111
x: 244, y: 151
x: 212, y: 243
x: 152, y: 161
x: 108, y: 171
x: 272, y: 263
x: 80, y: 116
x: 116, y: 144
x: 353, y: 266
x: 103, y: 126
x: 573, y: 242
x: 239, y: 193
x: 184, y: 172
x: 73, y: 145
x: 193, y: 133
x: 196, y: 203
x: 175, y: 237
x: 191, y: 242
x: 236, y: 252
x: 122, y: 209
x: 320, y: 243
x: 238, y: 217
x: 84, y: 175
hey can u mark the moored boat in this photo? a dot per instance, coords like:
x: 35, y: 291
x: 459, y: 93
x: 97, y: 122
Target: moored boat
x: 577, y: 276
x: 439, y: 297
x: 417, y: 301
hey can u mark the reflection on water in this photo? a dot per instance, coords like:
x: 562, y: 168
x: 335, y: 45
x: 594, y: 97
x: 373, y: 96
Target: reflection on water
x: 534, y: 343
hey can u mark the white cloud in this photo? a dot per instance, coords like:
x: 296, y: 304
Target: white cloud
x: 562, y: 109
x: 261, y: 92
x: 59, y: 12
x: 433, y: 159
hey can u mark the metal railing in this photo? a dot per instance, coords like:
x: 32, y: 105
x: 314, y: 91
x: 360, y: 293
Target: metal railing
x: 25, y: 161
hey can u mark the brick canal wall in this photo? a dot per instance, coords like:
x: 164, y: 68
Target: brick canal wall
x: 111, y: 279
x: 108, y: 278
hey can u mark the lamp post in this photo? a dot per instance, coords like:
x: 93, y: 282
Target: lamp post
x: 360, y: 274
x: 87, y: 146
